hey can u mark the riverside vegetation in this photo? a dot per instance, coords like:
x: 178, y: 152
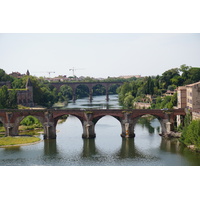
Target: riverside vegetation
x: 137, y: 91
x: 191, y: 133
x: 29, y: 128
x: 133, y: 90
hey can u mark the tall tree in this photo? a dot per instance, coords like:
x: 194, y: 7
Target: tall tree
x: 12, y: 100
x: 4, y: 97
x: 167, y: 76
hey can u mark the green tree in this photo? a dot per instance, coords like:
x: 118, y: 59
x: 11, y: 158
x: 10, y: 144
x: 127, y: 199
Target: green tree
x: 4, y: 76
x: 12, y: 99
x: 65, y: 93
x: 128, y: 101
x: 149, y: 86
x: 4, y: 97
x: 167, y: 76
x: 191, y: 134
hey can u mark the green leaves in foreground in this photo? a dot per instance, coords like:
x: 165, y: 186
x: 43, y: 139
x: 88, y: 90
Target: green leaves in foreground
x: 17, y: 140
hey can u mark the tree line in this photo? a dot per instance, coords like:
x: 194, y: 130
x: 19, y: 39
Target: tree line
x: 137, y: 90
x: 44, y: 94
x: 133, y: 90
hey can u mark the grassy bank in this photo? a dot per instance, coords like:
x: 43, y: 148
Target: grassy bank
x: 19, y: 140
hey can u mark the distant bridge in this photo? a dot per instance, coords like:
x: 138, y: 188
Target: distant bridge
x: 11, y: 119
x: 90, y: 86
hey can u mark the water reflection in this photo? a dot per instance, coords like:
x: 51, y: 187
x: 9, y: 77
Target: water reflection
x: 12, y: 149
x: 89, y: 148
x: 50, y: 148
x: 99, y: 102
x: 107, y: 149
x: 128, y: 149
x: 170, y: 145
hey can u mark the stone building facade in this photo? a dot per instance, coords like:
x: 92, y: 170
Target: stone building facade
x: 189, y: 97
x: 25, y: 96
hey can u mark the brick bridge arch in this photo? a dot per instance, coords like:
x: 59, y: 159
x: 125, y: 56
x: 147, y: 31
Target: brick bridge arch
x: 49, y: 118
x: 90, y: 85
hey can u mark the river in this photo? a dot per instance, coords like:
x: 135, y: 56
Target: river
x: 107, y: 149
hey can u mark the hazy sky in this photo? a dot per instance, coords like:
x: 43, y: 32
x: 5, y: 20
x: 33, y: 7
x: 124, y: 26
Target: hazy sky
x: 98, y: 55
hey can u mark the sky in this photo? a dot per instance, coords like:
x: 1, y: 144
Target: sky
x: 98, y: 54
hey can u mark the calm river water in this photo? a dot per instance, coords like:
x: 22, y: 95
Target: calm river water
x: 107, y: 149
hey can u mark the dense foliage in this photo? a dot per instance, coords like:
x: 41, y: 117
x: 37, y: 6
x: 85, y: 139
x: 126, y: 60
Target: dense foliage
x: 44, y: 93
x: 191, y: 134
x: 8, y: 99
x: 137, y: 90
x: 133, y: 90
x: 30, y: 121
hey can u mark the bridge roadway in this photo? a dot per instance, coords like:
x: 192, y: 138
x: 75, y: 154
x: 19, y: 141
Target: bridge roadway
x: 11, y: 119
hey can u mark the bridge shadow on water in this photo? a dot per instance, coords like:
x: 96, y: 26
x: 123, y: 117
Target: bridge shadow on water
x: 127, y: 154
x: 50, y: 148
x: 89, y: 149
x: 126, y: 150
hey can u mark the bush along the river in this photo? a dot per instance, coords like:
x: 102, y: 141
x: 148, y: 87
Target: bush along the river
x: 191, y: 135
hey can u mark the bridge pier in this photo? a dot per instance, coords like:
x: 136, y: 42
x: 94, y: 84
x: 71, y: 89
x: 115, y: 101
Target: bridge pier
x: 90, y: 95
x: 49, y: 130
x: 127, y: 126
x: 74, y: 96
x: 10, y: 130
x: 107, y: 95
x: 88, y: 126
x: 127, y: 130
x: 88, y: 130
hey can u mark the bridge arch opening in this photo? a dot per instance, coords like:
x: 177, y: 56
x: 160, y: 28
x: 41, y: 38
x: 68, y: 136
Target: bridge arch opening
x: 147, y: 130
x: 65, y: 93
x: 113, y: 88
x: 108, y: 130
x: 82, y: 91
x: 68, y: 126
x: 150, y: 122
x: 2, y: 127
x: 108, y: 125
x: 99, y: 89
x: 30, y: 125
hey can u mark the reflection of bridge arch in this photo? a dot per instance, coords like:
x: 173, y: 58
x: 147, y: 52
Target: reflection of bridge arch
x: 90, y: 85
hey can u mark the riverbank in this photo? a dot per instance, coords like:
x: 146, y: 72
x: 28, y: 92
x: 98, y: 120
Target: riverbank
x: 18, y: 141
x: 172, y: 134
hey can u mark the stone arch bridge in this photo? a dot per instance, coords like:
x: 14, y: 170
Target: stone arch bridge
x: 49, y: 117
x: 90, y: 86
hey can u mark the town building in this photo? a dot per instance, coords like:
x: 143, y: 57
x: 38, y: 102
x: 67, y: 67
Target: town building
x: 25, y: 96
x: 130, y: 76
x: 181, y: 97
x: 19, y: 75
x: 193, y: 96
x: 189, y: 97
